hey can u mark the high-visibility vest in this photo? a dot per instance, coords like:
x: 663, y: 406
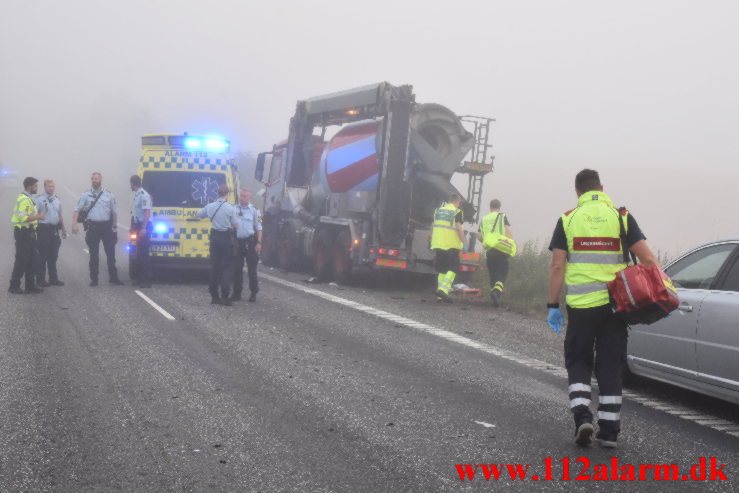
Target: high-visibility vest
x: 24, y: 207
x: 492, y: 228
x: 594, y: 249
x: 444, y: 230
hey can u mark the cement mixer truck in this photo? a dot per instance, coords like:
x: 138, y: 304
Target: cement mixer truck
x: 365, y: 197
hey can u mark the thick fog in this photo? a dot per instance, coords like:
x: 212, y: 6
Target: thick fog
x: 646, y: 92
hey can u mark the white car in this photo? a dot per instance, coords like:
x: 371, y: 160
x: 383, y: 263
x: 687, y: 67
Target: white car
x: 697, y: 346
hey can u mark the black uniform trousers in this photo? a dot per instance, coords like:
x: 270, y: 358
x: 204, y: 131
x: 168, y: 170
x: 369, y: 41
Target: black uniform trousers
x: 101, y: 231
x: 446, y: 260
x: 142, y: 260
x: 246, y: 253
x: 25, y: 258
x: 598, y: 328
x: 48, y: 242
x: 221, y: 262
x: 497, y: 263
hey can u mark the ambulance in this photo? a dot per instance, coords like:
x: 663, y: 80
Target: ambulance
x: 182, y: 174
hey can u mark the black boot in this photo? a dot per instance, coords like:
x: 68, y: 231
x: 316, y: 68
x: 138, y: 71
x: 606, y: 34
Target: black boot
x: 16, y: 290
x: 584, y: 430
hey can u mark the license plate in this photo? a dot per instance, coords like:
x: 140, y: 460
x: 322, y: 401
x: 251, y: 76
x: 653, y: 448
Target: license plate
x: 163, y: 247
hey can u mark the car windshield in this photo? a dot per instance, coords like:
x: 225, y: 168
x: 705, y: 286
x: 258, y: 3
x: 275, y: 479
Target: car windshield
x: 182, y: 188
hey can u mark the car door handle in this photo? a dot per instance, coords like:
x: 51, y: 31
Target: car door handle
x: 685, y: 308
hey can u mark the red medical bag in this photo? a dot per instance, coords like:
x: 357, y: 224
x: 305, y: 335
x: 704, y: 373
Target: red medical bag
x: 643, y: 295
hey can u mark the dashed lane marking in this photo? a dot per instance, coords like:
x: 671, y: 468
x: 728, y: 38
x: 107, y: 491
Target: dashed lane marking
x: 687, y: 414
x: 486, y: 425
x: 158, y: 308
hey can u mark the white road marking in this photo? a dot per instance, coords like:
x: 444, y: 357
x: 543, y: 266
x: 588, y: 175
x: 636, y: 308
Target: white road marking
x: 158, y: 308
x: 70, y: 191
x: 86, y: 251
x: 486, y: 425
x: 702, y: 419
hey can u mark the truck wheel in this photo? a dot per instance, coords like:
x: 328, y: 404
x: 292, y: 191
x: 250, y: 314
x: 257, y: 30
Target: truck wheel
x: 342, y: 257
x: 322, y: 250
x: 269, y: 245
x: 287, y: 247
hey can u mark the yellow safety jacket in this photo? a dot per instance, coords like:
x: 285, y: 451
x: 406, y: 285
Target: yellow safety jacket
x: 24, y: 207
x: 492, y: 229
x: 594, y: 249
x: 444, y: 230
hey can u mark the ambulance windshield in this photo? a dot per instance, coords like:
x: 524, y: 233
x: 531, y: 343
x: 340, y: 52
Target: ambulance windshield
x: 186, y: 189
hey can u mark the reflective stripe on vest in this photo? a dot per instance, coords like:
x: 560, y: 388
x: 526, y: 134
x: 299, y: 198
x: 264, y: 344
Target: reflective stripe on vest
x: 595, y: 258
x: 594, y: 248
x: 19, y: 214
x: 444, y: 232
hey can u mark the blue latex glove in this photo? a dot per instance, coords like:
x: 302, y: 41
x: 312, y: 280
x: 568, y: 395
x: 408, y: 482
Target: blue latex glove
x: 556, y: 320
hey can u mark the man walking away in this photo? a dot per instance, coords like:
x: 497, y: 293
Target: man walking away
x: 223, y: 224
x: 447, y: 240
x: 141, y: 225
x: 97, y: 210
x: 587, y: 252
x: 494, y: 226
x: 249, y: 236
x: 50, y: 233
x: 24, y: 219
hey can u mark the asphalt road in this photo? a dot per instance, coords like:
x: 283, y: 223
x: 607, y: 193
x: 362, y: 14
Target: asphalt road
x: 311, y: 388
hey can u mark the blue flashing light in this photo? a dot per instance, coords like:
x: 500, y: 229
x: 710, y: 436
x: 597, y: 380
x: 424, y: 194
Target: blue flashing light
x: 216, y: 143
x: 193, y: 143
x: 161, y: 228
x: 5, y: 172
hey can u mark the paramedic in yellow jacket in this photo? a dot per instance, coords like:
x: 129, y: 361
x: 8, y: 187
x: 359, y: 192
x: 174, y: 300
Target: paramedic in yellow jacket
x: 447, y: 240
x: 495, y: 225
x: 587, y: 252
x: 25, y: 220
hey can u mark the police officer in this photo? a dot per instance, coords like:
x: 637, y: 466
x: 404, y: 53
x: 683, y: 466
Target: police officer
x: 249, y: 236
x: 50, y: 233
x: 24, y: 219
x: 493, y: 226
x: 586, y: 254
x: 97, y: 210
x: 223, y: 222
x: 447, y: 240
x: 141, y: 225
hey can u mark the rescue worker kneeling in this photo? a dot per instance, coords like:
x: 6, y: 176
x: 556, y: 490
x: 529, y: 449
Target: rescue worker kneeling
x: 224, y: 223
x: 447, y: 240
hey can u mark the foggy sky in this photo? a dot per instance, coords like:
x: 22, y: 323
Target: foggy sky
x: 643, y: 91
